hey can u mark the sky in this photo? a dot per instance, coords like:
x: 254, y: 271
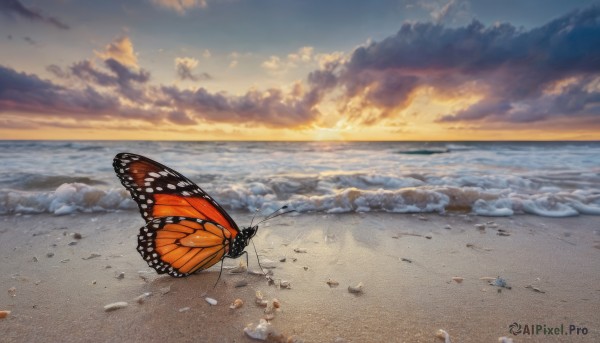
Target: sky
x: 300, y: 70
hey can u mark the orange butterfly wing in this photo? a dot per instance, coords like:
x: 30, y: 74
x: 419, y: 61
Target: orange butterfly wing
x: 180, y: 246
x: 160, y: 191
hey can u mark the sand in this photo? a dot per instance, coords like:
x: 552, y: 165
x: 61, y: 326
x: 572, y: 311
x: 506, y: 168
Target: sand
x: 61, y: 298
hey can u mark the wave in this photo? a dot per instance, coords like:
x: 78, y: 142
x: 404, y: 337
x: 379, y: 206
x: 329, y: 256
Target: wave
x: 71, y: 198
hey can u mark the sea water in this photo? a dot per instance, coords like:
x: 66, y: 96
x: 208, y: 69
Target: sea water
x: 554, y: 179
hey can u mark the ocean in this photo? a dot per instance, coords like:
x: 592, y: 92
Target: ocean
x: 553, y: 179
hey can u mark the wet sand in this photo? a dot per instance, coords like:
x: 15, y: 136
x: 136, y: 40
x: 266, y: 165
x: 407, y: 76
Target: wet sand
x: 61, y: 298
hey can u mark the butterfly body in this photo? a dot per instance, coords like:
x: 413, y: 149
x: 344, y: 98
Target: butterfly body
x: 186, y: 230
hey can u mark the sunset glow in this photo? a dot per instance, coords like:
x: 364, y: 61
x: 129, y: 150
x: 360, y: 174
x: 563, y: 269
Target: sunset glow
x: 235, y: 70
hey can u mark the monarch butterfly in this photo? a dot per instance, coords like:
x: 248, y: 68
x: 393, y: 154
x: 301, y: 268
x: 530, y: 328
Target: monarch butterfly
x: 186, y: 230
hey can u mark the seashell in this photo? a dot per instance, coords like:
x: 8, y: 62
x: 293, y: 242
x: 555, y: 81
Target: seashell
x: 211, y: 301
x: 184, y: 309
x: 285, y: 284
x: 142, y: 298
x: 120, y: 275
x: 448, y: 227
x: 358, y: 289
x: 458, y: 279
x: 259, y: 300
x: 12, y: 291
x: 441, y: 334
x: 4, y: 314
x: 34, y: 259
x: 115, y: 306
x: 260, y: 332
x: 300, y: 250
x: 237, y: 303
x: 276, y: 303
x: 332, y: 283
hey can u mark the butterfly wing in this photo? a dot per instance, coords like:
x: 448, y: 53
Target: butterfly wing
x: 160, y: 191
x: 180, y: 246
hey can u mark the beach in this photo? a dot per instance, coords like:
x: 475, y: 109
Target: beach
x: 56, y: 287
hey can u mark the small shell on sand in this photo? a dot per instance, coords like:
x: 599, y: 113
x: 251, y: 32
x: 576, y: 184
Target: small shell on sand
x: 120, y: 275
x: 443, y: 335
x: 4, y: 314
x: 165, y: 290
x: 12, y: 291
x: 184, y: 309
x: 211, y: 301
x: 448, y: 227
x: 260, y: 300
x: 142, y: 298
x: 358, y: 289
x: 300, y: 250
x: 285, y: 284
x: 457, y: 279
x: 115, y: 306
x: 237, y: 303
x: 276, y: 303
x: 332, y: 283
x: 260, y: 332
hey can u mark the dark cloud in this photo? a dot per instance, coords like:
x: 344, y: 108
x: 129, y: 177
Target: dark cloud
x: 117, y: 75
x: 185, y: 70
x: 26, y: 93
x: 16, y: 8
x: 515, y: 67
x: 272, y: 108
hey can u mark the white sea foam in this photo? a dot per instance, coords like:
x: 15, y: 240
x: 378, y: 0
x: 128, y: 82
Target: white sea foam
x: 501, y: 179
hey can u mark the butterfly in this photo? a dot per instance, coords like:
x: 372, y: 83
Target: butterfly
x: 186, y: 230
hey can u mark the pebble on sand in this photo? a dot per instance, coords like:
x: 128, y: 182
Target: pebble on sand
x: 443, y: 335
x: 50, y: 254
x: 77, y: 235
x: 211, y: 301
x: 237, y: 303
x: 458, y: 279
x: 92, y: 255
x: 115, y: 306
x: 120, y: 275
x: 4, y: 314
x: 142, y: 298
x: 260, y: 332
x: 358, y: 289
x: 300, y: 250
x: 184, y: 309
x: 241, y: 283
x: 332, y: 283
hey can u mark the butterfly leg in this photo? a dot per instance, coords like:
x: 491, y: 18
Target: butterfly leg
x: 220, y: 272
x: 256, y: 252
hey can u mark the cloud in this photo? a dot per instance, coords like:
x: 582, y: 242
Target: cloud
x: 271, y: 108
x: 27, y: 93
x: 278, y: 65
x: 121, y: 50
x: 114, y: 74
x: 180, y: 6
x: 16, y: 8
x: 509, y: 69
x: 184, y: 66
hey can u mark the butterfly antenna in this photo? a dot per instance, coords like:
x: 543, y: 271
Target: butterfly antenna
x: 276, y: 214
x: 254, y: 216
